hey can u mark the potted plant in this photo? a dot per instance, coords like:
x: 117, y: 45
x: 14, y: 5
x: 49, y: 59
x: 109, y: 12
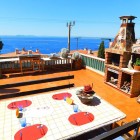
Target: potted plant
x: 64, y: 53
x: 86, y: 95
x: 137, y: 64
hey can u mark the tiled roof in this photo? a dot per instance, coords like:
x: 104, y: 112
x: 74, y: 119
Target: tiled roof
x: 13, y: 54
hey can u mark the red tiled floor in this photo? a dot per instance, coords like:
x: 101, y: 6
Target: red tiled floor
x: 83, y: 77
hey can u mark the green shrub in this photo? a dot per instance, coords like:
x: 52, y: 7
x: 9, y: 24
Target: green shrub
x: 101, y: 50
x: 137, y: 63
x: 1, y: 45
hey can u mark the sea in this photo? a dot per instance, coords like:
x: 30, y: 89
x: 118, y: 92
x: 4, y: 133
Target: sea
x: 48, y: 45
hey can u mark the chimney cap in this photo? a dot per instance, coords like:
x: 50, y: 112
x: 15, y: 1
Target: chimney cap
x: 128, y: 17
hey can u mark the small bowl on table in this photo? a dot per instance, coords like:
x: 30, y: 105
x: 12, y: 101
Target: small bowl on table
x: 86, y: 97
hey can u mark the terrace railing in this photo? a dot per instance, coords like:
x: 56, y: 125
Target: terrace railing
x: 91, y: 62
x: 13, y: 65
x: 60, y: 64
x: 94, y: 63
x: 55, y: 62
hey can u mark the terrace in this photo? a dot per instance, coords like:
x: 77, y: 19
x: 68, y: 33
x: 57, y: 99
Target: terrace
x: 93, y: 73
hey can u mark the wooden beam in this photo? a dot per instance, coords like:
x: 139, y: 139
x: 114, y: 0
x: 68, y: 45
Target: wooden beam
x: 17, y: 94
x: 37, y: 81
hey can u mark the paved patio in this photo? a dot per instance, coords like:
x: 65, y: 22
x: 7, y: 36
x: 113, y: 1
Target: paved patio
x: 127, y: 105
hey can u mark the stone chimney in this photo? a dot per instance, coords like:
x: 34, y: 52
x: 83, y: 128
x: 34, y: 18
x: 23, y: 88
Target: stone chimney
x: 16, y: 51
x: 126, y: 35
x: 29, y: 52
x: 37, y: 51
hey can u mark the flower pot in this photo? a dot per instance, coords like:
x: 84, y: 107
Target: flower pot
x: 137, y: 68
x: 77, y: 64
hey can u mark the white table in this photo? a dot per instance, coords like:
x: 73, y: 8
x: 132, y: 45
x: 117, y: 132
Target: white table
x: 57, y: 122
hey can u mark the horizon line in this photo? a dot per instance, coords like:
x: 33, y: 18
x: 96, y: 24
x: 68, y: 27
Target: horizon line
x: 54, y: 36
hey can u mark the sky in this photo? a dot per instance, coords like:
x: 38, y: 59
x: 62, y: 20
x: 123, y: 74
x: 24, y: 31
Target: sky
x: 93, y: 18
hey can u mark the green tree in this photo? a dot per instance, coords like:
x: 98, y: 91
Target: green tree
x: 101, y: 50
x: 1, y: 45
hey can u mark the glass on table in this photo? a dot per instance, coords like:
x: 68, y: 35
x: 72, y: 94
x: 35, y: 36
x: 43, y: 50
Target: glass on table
x: 75, y: 108
x: 66, y: 95
x: 65, y: 98
x: 23, y: 122
x: 20, y: 108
